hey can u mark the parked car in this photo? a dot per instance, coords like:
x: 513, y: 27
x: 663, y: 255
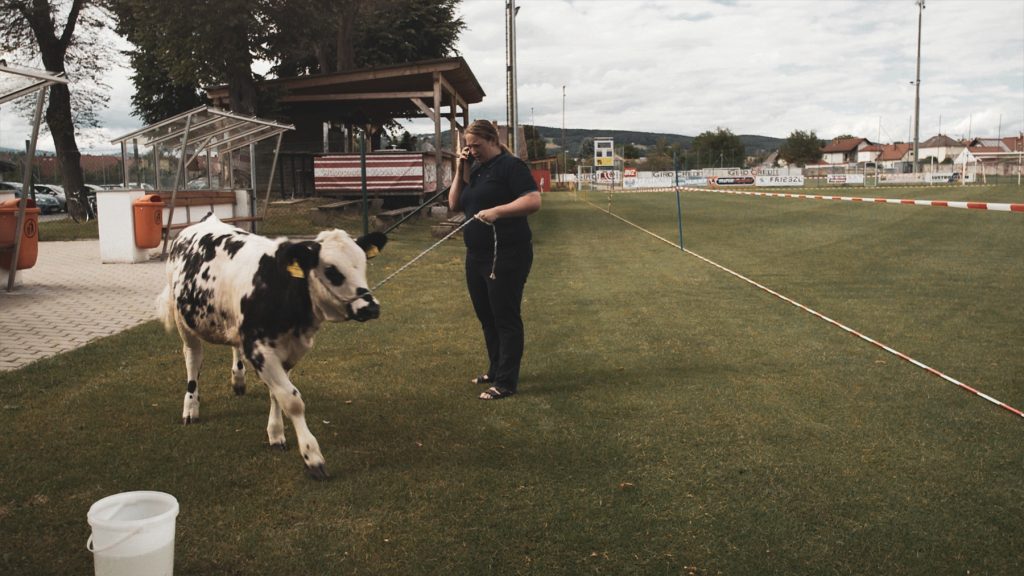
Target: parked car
x: 202, y: 184
x: 131, y: 186
x: 47, y: 204
x: 53, y: 190
x: 7, y: 190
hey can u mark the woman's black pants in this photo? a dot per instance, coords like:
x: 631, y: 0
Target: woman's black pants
x: 498, y: 306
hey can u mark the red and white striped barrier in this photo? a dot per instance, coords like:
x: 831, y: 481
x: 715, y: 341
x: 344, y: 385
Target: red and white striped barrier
x: 817, y: 314
x: 999, y: 207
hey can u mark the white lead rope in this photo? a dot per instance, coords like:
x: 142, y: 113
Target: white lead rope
x: 494, y: 263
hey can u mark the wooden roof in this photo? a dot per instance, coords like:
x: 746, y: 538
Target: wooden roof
x: 378, y: 94
x: 894, y: 152
x: 844, y: 145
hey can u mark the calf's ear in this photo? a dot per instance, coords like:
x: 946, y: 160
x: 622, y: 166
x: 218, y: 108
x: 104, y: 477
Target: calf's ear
x: 299, y: 258
x: 372, y: 243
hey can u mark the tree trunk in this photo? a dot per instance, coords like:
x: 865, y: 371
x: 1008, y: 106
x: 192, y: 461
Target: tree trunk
x: 58, y: 111
x: 344, y: 45
x: 58, y: 119
x: 242, y: 89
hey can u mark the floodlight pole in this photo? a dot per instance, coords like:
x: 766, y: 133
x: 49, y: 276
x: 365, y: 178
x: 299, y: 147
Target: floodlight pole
x: 510, y: 70
x: 565, y: 159
x: 917, y: 87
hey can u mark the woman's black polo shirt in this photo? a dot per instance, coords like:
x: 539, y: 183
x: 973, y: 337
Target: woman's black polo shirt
x: 498, y: 181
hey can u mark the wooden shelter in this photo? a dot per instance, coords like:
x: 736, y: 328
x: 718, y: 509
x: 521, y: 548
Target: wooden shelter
x: 368, y: 98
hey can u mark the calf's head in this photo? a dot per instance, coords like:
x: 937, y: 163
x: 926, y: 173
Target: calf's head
x: 337, y: 275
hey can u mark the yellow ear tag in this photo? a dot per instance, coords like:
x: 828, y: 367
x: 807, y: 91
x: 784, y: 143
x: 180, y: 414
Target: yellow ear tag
x: 295, y: 270
x: 372, y: 251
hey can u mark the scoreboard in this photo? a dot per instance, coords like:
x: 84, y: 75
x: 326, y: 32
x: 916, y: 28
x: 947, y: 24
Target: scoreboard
x: 604, y: 154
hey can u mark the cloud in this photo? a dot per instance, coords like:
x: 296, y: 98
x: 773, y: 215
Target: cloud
x: 765, y: 67
x: 755, y: 67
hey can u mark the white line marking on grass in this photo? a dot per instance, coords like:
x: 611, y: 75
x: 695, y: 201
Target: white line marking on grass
x: 817, y: 314
x: 965, y: 204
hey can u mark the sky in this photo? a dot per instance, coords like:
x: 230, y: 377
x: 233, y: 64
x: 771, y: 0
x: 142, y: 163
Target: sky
x: 765, y: 67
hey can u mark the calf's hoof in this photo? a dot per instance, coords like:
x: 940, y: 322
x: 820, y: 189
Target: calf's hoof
x: 281, y: 446
x: 317, y: 472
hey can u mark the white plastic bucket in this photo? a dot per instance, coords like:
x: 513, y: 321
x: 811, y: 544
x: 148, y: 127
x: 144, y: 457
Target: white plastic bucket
x: 133, y: 534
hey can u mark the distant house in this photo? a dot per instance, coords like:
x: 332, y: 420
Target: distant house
x: 95, y: 166
x: 992, y: 144
x: 897, y: 157
x: 1014, y: 143
x: 773, y: 160
x: 940, y: 147
x: 844, y: 150
x: 992, y: 156
x: 869, y: 153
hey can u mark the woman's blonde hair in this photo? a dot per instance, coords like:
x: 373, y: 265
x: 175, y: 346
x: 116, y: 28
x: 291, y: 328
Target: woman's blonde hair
x: 488, y: 131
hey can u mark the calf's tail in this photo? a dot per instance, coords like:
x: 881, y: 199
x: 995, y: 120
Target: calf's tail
x: 165, y: 308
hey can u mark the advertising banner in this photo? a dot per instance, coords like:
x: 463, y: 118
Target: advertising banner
x: 900, y: 178
x: 845, y: 179
x: 779, y: 180
x: 731, y: 180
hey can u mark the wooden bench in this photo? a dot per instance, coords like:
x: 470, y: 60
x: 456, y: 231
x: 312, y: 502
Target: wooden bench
x: 442, y: 229
x: 341, y: 206
x: 385, y: 218
x: 199, y: 203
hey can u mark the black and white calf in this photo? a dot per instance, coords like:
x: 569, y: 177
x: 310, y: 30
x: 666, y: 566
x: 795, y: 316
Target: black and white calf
x: 266, y: 299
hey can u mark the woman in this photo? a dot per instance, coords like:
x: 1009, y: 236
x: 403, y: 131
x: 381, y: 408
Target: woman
x: 499, y: 191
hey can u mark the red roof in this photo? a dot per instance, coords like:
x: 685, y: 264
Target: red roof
x: 844, y: 145
x: 894, y: 152
x: 1014, y: 143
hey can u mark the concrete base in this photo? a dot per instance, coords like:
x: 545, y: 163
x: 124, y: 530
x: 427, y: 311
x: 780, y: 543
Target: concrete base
x: 117, y: 227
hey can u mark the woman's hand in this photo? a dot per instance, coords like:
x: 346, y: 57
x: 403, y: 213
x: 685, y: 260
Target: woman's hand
x: 488, y: 215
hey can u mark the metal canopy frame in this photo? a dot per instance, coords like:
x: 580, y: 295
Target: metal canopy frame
x: 209, y: 130
x: 26, y: 81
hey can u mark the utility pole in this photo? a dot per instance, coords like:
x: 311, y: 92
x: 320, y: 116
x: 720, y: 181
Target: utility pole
x: 510, y: 69
x: 565, y: 159
x: 917, y: 86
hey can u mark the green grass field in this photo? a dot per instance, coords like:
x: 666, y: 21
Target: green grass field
x: 671, y: 418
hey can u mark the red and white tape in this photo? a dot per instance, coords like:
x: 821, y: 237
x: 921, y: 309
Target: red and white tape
x: 999, y: 207
x: 817, y: 314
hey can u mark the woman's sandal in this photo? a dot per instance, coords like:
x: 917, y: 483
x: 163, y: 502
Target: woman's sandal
x: 495, y: 393
x: 481, y: 379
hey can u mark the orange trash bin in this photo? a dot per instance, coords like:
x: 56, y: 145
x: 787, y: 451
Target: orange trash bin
x: 148, y: 214
x: 29, y: 234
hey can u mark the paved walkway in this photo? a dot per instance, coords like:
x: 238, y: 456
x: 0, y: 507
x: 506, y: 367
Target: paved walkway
x: 69, y: 298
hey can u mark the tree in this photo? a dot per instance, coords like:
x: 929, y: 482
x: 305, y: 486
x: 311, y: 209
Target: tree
x: 719, y: 148
x: 536, y: 146
x: 184, y: 45
x: 801, y: 148
x: 320, y: 36
x: 66, y: 34
x: 194, y: 43
x: 663, y: 156
x: 157, y: 96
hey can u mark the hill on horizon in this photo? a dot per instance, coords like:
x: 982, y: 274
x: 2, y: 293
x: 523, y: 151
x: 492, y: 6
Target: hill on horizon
x: 576, y: 139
